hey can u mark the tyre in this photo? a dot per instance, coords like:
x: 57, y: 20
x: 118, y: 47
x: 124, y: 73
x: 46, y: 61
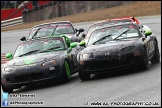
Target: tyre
x: 144, y: 61
x: 83, y: 76
x: 156, y: 58
x: 66, y: 72
x: 5, y: 89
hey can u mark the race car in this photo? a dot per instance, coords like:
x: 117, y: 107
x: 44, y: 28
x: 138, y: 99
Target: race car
x: 39, y: 60
x: 104, y: 23
x: 115, y: 47
x: 59, y: 27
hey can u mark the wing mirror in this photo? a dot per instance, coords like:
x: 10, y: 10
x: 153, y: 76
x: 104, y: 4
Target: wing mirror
x: 76, y: 30
x: 73, y: 45
x: 81, y: 30
x: 23, y: 38
x: 82, y: 43
x: 147, y: 30
x: 9, y: 56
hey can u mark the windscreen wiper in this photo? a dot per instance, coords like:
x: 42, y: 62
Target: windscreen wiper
x: 49, y: 49
x: 36, y: 32
x: 30, y: 52
x: 103, y: 38
x: 54, y: 29
x: 125, y: 31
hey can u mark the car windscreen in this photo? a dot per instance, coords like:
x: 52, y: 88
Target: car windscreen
x: 120, y: 31
x: 104, y: 24
x: 49, y: 29
x: 39, y: 46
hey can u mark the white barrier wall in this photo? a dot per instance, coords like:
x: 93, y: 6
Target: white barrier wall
x: 11, y: 22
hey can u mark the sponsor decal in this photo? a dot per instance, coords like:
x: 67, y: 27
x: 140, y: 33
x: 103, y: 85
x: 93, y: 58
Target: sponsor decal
x: 29, y: 59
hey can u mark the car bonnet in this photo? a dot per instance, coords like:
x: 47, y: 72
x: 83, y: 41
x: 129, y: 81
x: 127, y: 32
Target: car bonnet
x: 34, y: 58
x: 111, y: 45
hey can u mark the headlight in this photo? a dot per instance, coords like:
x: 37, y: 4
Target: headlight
x: 51, y: 62
x: 87, y: 56
x: 127, y: 49
x: 9, y: 69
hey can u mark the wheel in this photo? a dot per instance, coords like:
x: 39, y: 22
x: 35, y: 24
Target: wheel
x: 83, y: 76
x: 144, y: 61
x: 156, y: 58
x: 66, y: 72
x: 5, y: 89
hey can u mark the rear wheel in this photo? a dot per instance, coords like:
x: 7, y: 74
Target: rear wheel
x: 156, y: 58
x: 5, y: 89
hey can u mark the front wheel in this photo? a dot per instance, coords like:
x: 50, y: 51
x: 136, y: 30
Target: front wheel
x: 66, y: 71
x: 84, y: 77
x: 156, y: 58
x: 5, y: 89
x: 144, y: 61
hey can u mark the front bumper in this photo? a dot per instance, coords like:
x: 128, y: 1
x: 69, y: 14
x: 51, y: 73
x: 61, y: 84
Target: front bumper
x: 102, y: 65
x: 25, y: 76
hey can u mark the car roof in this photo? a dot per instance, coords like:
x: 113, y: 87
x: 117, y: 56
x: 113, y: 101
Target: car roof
x: 128, y: 17
x: 52, y: 23
x: 119, y: 24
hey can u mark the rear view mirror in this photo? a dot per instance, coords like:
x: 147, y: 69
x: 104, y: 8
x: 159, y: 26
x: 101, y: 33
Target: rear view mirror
x: 23, y: 38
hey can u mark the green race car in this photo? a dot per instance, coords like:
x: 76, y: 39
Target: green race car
x: 37, y: 60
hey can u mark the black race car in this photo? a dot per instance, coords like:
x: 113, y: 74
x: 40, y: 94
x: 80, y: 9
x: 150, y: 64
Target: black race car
x: 117, y: 46
x: 38, y: 60
x: 59, y: 27
x: 108, y: 22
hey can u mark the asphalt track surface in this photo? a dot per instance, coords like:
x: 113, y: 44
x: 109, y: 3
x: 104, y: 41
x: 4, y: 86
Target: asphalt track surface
x: 119, y: 88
